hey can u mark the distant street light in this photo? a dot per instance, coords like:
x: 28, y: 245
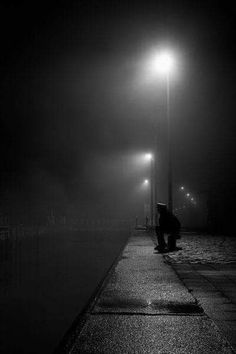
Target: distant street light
x: 163, y: 63
x: 189, y: 196
x: 149, y: 157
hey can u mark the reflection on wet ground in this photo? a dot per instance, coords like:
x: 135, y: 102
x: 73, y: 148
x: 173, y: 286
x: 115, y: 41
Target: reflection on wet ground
x: 46, y: 280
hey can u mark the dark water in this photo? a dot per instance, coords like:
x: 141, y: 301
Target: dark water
x: 46, y: 280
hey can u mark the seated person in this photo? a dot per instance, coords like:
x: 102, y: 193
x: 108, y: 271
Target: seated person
x: 168, y: 224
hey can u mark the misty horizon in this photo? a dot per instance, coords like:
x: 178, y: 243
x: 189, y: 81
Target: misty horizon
x: 76, y: 105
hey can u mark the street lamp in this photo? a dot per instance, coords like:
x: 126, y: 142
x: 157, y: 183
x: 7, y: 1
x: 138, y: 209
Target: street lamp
x: 147, y: 210
x: 163, y: 63
x: 149, y: 157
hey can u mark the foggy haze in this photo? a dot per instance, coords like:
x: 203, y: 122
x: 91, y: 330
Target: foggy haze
x: 76, y: 110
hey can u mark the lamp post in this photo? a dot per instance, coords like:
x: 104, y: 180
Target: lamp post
x: 162, y: 62
x: 170, y: 193
x: 165, y: 63
x: 150, y: 158
x: 147, y: 209
x: 151, y: 190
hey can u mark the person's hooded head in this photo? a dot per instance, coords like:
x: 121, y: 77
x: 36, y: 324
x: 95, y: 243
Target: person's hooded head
x: 161, y: 208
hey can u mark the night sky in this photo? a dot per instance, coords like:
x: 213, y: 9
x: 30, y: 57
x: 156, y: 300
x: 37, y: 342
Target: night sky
x: 76, y: 110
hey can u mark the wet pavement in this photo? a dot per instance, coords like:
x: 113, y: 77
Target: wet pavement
x: 147, y: 305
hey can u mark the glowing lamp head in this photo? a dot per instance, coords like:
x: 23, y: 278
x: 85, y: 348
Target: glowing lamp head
x: 148, y: 157
x: 146, y: 182
x: 162, y: 63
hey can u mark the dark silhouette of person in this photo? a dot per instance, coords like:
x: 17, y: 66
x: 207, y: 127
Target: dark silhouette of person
x: 168, y: 224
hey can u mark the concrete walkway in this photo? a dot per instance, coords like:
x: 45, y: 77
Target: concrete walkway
x: 144, y: 307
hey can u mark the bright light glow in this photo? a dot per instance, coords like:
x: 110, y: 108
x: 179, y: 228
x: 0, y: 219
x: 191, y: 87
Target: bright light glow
x: 188, y: 195
x: 161, y: 62
x: 141, y: 160
x: 192, y: 199
x: 146, y: 181
x: 148, y: 156
x: 182, y: 188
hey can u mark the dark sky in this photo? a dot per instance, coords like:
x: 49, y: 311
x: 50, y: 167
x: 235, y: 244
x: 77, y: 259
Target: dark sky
x: 75, y: 111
